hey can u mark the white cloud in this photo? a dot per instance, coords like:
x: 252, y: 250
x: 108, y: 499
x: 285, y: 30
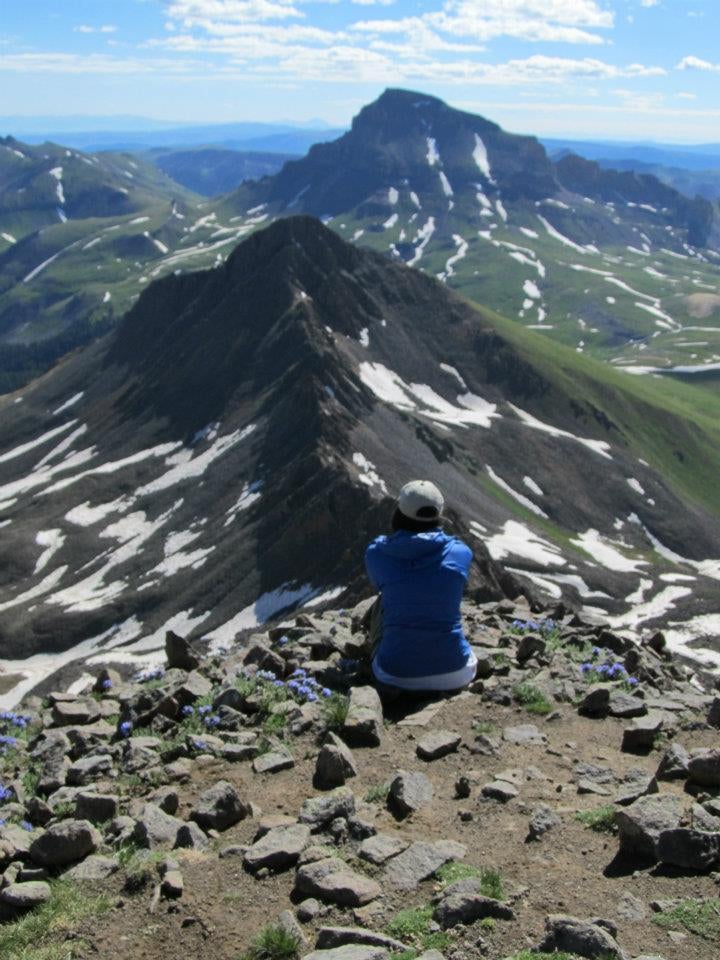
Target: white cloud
x: 106, y: 28
x: 199, y: 12
x: 372, y: 3
x: 72, y: 63
x: 649, y: 3
x: 695, y: 63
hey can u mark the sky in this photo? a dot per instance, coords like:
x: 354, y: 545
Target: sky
x: 593, y: 69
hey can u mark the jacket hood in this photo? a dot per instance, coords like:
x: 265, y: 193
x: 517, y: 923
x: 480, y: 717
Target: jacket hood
x: 417, y: 547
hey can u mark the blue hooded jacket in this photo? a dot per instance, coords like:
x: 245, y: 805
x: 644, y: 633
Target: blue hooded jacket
x: 421, y: 577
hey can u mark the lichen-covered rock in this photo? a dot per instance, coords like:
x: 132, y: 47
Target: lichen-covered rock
x: 220, y: 807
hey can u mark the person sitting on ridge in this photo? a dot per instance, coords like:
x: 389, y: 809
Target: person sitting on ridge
x: 420, y: 572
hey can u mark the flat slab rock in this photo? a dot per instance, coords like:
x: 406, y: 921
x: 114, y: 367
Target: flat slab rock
x: 278, y: 848
x: 25, y: 896
x: 564, y: 933
x: 273, y: 762
x: 328, y: 937
x: 382, y: 847
x: 332, y: 881
x: 525, y: 733
x: 351, y: 951
x: 420, y: 861
x: 438, y: 744
x: 409, y: 792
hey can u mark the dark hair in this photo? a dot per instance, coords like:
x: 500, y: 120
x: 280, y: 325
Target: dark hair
x: 401, y: 522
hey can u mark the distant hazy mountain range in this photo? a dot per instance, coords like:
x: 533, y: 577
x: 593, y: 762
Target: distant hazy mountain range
x: 227, y: 452
x: 612, y: 263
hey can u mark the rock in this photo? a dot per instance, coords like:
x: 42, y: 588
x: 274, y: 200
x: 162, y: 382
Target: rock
x: 273, y: 762
x: 500, y: 790
x: 382, y: 847
x: 87, y: 769
x: 318, y: 812
x: 219, y: 807
x: 690, y: 849
x: 332, y: 881
x: 191, y: 837
x: 363, y: 725
x: 309, y: 909
x: 172, y: 885
x: 596, y: 702
x: 179, y: 653
x: 194, y: 687
x: 673, y: 763
x: 529, y: 645
x: 72, y: 712
x: 579, y: 937
x: 155, y: 829
x: 542, y: 820
x: 167, y: 798
x: 702, y: 819
x: 420, y: 861
x: 640, y: 736
x: 409, y: 792
x: 92, y: 869
x: 287, y: 921
x: 631, y: 908
x: 640, y: 824
x: 469, y: 907
x: 624, y: 705
x: 704, y: 767
x: 635, y: 784
x: 525, y: 733
x: 351, y: 951
x: 64, y: 842
x: 335, y: 764
x: 278, y: 849
x: 438, y: 744
x: 96, y: 807
x: 25, y: 896
x: 328, y: 937
x: 713, y: 717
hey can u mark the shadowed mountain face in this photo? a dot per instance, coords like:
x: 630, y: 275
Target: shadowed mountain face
x: 228, y: 452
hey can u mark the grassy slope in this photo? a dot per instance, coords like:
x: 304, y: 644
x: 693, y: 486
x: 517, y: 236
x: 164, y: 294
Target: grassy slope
x: 658, y: 416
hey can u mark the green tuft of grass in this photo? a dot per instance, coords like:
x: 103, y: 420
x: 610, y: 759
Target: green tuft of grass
x: 273, y: 943
x: 532, y: 699
x: 275, y: 725
x: 378, y: 793
x: 64, y: 809
x: 30, y: 780
x: 600, y: 819
x: 334, y: 711
x: 484, y: 726
x: 701, y: 917
x: 487, y: 923
x: 43, y: 934
x: 413, y: 924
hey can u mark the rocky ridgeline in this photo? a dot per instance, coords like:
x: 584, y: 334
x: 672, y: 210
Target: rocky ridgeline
x: 120, y: 785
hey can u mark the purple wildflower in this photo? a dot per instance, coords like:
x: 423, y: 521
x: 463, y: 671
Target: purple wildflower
x: 125, y: 728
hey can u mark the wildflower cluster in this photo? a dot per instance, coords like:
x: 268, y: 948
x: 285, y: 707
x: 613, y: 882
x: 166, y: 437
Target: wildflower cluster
x: 13, y: 727
x: 303, y: 688
x: 5, y: 793
x: 602, y: 667
x: 125, y: 728
x: 150, y: 673
x: 200, y: 717
x: 543, y: 627
x: 106, y: 684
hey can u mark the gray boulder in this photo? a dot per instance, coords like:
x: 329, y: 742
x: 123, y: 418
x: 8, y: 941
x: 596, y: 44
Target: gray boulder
x: 220, y: 807
x: 640, y: 736
x: 335, y: 764
x: 363, y: 725
x: 332, y: 881
x: 409, y: 792
x: 351, y: 951
x: 87, y: 769
x: 65, y: 842
x: 438, y: 744
x: 704, y: 767
x: 25, y: 896
x: 585, y: 939
x: 420, y: 861
x: 318, y: 812
x: 468, y: 907
x: 179, y: 653
x: 641, y: 823
x: 673, y: 763
x: 155, y: 829
x: 278, y: 849
x: 689, y: 849
x: 542, y: 820
x: 328, y: 937
x: 96, y: 807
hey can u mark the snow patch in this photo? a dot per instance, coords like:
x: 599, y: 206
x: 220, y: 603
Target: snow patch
x: 432, y: 155
x: 517, y: 540
x: 368, y: 475
x: 593, y: 543
x: 480, y: 156
x: 597, y: 446
x: 52, y: 541
x: 521, y: 499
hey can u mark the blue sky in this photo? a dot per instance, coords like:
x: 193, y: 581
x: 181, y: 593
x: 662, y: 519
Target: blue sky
x: 621, y: 69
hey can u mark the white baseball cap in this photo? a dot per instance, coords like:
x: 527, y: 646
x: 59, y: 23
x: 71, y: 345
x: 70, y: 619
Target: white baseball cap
x: 421, y: 500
